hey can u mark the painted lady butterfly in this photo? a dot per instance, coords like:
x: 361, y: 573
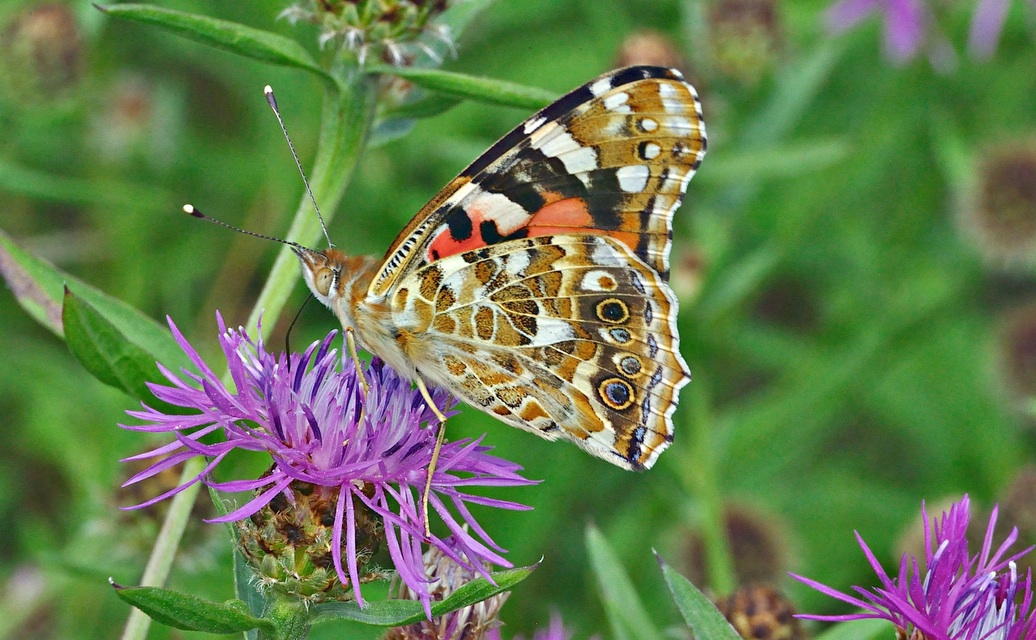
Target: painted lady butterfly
x: 533, y: 286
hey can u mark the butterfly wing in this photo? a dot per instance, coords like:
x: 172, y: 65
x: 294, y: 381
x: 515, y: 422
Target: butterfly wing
x: 569, y: 336
x: 612, y: 157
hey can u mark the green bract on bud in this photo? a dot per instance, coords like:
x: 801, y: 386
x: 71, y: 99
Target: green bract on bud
x: 393, y: 31
x: 1000, y: 212
x: 41, y: 50
x: 758, y: 611
x: 468, y: 623
x: 746, y: 37
x: 289, y: 544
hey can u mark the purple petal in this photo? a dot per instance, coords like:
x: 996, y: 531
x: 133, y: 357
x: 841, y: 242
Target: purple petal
x: 986, y: 26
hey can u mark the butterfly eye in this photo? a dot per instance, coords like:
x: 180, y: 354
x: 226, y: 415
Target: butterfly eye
x: 323, y: 280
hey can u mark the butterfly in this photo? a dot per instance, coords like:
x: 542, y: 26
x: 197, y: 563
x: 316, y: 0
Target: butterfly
x: 534, y: 285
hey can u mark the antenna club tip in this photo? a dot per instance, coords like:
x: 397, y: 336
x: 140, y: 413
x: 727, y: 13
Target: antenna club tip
x: 189, y: 208
x: 267, y: 89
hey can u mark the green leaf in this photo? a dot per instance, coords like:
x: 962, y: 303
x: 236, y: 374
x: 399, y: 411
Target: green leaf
x: 868, y: 629
x: 698, y: 611
x: 622, y: 605
x: 16, y: 178
x: 395, y: 613
x: 39, y: 288
x: 105, y: 351
x: 460, y: 85
x: 191, y: 613
x: 774, y: 162
x: 221, y: 34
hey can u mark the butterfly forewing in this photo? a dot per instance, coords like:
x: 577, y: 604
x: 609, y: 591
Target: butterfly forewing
x: 613, y: 157
x: 534, y: 285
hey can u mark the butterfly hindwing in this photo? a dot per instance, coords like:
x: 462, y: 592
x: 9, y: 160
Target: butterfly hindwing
x: 612, y: 157
x: 568, y: 336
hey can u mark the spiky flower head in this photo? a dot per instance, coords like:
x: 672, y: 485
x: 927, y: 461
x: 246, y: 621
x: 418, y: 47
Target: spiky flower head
x: 467, y: 623
x: 394, y: 31
x: 1000, y: 212
x: 757, y: 611
x: 949, y: 594
x: 342, y: 458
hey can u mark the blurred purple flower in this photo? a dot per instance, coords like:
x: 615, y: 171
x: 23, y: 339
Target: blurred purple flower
x: 986, y: 26
x: 555, y: 631
x: 909, y: 28
x: 309, y: 413
x: 957, y: 597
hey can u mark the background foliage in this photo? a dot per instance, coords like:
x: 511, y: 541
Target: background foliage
x: 845, y: 332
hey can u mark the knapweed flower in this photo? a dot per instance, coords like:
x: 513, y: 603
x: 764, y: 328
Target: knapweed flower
x: 361, y: 456
x: 555, y: 631
x: 908, y: 25
x: 952, y: 595
x: 474, y: 622
x: 986, y: 26
x: 394, y: 30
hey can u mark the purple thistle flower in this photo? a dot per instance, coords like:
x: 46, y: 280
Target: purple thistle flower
x: 309, y: 413
x: 953, y: 595
x: 908, y: 28
x: 554, y: 631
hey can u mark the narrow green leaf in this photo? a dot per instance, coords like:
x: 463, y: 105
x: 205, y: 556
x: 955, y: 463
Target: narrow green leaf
x: 459, y: 85
x: 394, y: 613
x: 698, y: 611
x: 781, y: 161
x: 869, y: 629
x: 221, y: 34
x: 191, y: 613
x: 39, y: 288
x: 622, y: 605
x: 33, y: 284
x: 104, y: 351
x: 38, y: 184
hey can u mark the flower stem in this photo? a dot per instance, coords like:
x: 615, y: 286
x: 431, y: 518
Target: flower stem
x: 700, y: 480
x: 344, y: 128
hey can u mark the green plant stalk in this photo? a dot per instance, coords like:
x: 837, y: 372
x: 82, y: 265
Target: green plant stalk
x: 290, y: 617
x: 700, y: 479
x: 166, y: 545
x: 344, y: 128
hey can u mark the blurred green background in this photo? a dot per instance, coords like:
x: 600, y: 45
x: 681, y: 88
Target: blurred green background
x: 852, y: 261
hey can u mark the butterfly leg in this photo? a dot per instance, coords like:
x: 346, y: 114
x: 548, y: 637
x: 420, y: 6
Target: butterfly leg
x: 350, y: 343
x: 435, y: 453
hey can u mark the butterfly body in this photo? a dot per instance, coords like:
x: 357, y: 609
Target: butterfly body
x: 534, y: 285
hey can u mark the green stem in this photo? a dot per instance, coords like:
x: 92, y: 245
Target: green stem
x: 345, y: 125
x: 701, y: 480
x: 166, y: 545
x: 290, y: 617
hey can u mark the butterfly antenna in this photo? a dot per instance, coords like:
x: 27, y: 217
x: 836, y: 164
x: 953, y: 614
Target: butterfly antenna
x: 287, y: 334
x: 189, y: 208
x: 272, y: 100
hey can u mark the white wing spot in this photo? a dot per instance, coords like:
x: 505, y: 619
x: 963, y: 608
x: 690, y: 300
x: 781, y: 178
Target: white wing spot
x: 618, y: 102
x: 633, y: 179
x: 648, y: 124
x: 666, y: 90
x: 534, y: 124
x: 600, y: 87
x: 507, y: 214
x: 651, y: 151
x: 576, y: 157
x: 599, y: 280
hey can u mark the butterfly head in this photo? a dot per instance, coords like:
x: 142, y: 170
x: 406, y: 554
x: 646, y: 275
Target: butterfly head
x: 338, y: 281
